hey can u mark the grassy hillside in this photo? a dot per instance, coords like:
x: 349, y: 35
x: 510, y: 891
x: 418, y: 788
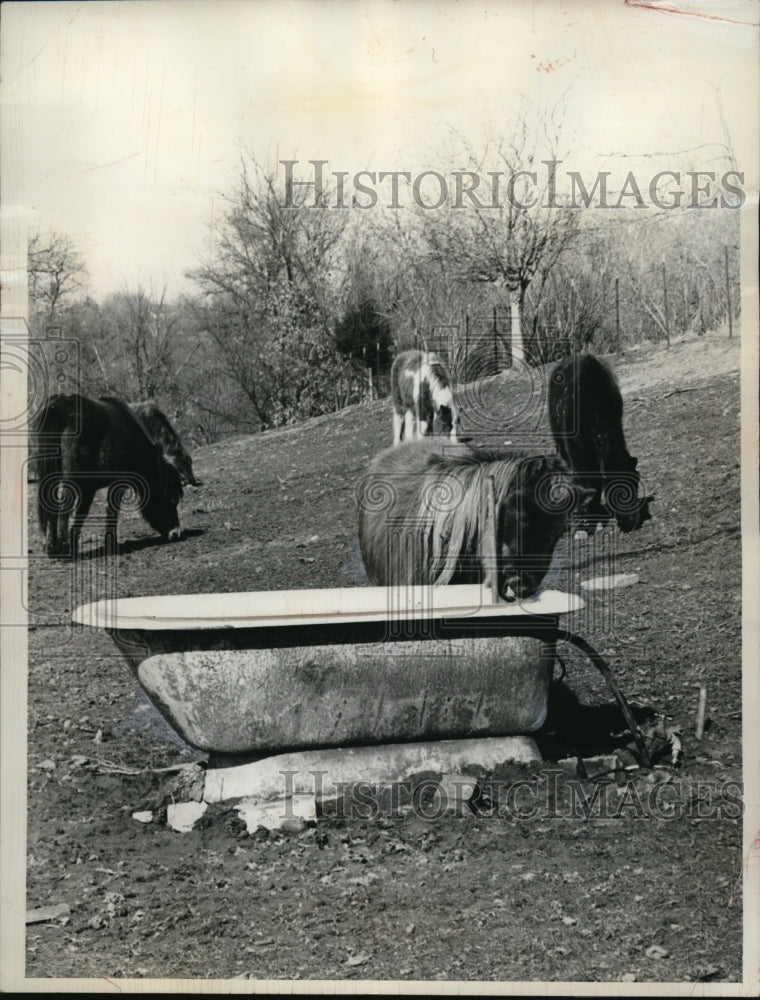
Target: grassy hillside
x: 478, y: 898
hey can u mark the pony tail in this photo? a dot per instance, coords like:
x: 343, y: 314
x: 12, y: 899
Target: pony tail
x: 48, y: 428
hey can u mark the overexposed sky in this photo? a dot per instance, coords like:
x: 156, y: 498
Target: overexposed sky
x: 123, y: 122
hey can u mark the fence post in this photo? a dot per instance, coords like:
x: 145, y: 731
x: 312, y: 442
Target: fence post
x: 495, y: 344
x: 728, y: 296
x: 466, y: 343
x: 665, y: 301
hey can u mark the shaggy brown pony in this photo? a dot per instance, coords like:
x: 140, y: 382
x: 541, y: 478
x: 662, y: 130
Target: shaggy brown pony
x: 421, y: 515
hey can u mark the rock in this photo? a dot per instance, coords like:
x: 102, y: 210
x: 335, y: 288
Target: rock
x: 453, y: 791
x: 359, y: 959
x: 288, y: 813
x: 41, y: 914
x: 600, y: 763
x: 145, y: 816
x: 323, y: 773
x: 707, y: 972
x: 656, y: 951
x: 610, y: 582
x: 184, y: 786
x: 182, y: 816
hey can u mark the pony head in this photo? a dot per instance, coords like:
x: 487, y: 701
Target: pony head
x: 631, y: 519
x: 164, y: 495
x: 184, y: 466
x: 622, y: 500
x: 448, y: 421
x: 531, y: 519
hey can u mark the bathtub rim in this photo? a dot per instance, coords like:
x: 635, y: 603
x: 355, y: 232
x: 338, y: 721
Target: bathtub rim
x: 309, y: 607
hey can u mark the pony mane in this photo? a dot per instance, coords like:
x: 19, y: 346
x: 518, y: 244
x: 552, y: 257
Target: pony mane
x: 151, y: 409
x: 450, y: 529
x: 127, y: 409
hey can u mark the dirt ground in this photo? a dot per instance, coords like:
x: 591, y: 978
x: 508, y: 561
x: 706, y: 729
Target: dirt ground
x: 647, y: 891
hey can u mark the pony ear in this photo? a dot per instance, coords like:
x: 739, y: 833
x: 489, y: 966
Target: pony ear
x: 634, y: 461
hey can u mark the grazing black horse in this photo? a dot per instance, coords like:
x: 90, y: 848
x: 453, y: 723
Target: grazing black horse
x: 421, y: 515
x: 586, y: 417
x: 86, y: 445
x: 421, y: 390
x: 160, y: 428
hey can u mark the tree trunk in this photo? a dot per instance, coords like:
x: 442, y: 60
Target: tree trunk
x: 518, y: 348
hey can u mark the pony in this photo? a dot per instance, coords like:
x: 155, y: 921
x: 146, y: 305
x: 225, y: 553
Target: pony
x: 586, y: 417
x: 159, y: 427
x: 421, y: 391
x: 99, y: 444
x: 422, y: 517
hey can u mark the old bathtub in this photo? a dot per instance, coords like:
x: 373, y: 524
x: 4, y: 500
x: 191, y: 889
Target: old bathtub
x: 273, y: 671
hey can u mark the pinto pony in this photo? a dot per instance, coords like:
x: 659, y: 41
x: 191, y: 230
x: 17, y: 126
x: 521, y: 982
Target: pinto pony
x: 421, y: 390
x: 159, y: 427
x: 422, y: 517
x: 86, y: 445
x: 586, y: 417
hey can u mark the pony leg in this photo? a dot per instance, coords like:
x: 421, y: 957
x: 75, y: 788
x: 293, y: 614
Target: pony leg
x: 409, y: 433
x: 78, y: 519
x: 110, y: 540
x: 454, y: 423
x: 59, y: 533
x: 398, y: 427
x: 56, y: 528
x: 423, y: 429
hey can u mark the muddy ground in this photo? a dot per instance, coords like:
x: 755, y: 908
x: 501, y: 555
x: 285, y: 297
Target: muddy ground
x: 647, y: 889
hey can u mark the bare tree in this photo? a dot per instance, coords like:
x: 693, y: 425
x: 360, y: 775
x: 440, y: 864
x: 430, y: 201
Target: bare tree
x: 146, y: 329
x: 269, y: 299
x: 56, y: 272
x: 520, y: 230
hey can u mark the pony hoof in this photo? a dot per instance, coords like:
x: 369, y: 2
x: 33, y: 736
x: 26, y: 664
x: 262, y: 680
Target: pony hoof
x: 175, y: 534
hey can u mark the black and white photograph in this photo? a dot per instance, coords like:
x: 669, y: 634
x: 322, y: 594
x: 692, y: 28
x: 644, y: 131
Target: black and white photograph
x: 380, y: 504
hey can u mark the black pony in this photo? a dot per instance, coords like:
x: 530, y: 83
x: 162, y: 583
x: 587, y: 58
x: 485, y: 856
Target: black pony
x: 160, y: 428
x: 422, y: 517
x: 586, y: 417
x: 85, y: 445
